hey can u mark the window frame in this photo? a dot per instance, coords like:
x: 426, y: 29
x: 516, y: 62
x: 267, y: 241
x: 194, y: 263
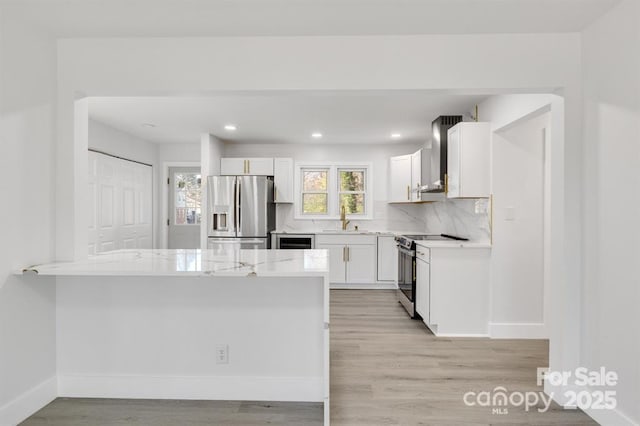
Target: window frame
x: 327, y: 191
x: 333, y: 189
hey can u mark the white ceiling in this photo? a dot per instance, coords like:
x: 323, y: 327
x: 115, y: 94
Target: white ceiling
x: 342, y: 117
x: 182, y: 18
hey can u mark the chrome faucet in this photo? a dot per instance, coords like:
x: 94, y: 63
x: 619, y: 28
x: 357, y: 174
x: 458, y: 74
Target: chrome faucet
x: 343, y: 218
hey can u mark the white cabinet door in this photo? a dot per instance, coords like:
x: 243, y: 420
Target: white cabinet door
x: 232, y: 166
x: 400, y: 179
x: 416, y: 174
x: 387, y: 259
x: 337, y: 265
x: 260, y: 166
x: 283, y: 180
x: 423, y: 290
x: 453, y: 162
x: 246, y: 166
x: 459, y: 296
x: 468, y: 160
x: 361, y: 264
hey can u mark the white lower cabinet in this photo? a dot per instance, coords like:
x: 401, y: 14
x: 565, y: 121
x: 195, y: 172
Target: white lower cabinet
x: 452, y: 290
x: 352, y: 258
x: 387, y: 258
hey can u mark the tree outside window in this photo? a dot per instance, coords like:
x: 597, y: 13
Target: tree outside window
x: 352, y: 190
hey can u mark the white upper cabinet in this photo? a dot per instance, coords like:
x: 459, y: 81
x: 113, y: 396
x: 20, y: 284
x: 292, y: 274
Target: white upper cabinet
x: 468, y: 159
x: 400, y: 179
x: 283, y: 180
x: 416, y: 174
x: 246, y: 166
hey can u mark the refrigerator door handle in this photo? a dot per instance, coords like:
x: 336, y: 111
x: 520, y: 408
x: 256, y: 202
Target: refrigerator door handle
x: 238, y: 208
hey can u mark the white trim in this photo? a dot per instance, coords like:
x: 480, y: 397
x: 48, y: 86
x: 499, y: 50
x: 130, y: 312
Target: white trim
x: 372, y: 286
x: 333, y: 210
x: 518, y: 331
x: 247, y: 388
x: 25, y: 405
x: 610, y: 417
x: 163, y: 234
x: 465, y: 335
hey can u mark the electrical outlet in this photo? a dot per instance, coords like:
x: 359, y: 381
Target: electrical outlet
x: 222, y: 354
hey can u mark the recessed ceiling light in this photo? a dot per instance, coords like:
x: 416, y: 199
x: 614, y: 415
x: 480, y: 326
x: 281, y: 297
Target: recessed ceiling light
x: 396, y: 135
x: 230, y: 127
x: 316, y: 135
x: 150, y: 125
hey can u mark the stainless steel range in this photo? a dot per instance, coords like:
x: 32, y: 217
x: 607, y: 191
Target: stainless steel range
x: 407, y: 267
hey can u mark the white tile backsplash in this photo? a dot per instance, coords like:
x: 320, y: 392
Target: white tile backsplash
x: 465, y: 218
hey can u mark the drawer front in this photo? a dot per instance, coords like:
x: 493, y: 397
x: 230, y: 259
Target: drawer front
x: 346, y: 239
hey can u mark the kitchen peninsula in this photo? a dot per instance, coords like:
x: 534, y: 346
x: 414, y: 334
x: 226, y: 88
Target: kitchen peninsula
x: 193, y: 324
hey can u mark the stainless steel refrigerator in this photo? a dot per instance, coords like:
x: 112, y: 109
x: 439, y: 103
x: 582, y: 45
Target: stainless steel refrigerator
x: 241, y: 213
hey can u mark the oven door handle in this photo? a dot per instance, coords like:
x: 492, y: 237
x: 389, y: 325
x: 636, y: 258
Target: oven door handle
x: 405, y: 251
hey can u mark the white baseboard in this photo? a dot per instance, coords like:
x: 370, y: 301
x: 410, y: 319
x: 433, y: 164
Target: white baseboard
x: 299, y: 389
x: 454, y: 335
x: 610, y: 417
x: 518, y: 331
x: 372, y: 286
x: 28, y: 403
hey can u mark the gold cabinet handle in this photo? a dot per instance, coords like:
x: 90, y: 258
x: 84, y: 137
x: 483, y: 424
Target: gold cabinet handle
x: 348, y: 254
x: 408, y: 192
x: 446, y: 183
x: 344, y: 254
x: 248, y: 167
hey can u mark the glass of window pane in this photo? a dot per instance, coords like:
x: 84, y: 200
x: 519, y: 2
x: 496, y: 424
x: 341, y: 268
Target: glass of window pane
x: 351, y: 180
x: 181, y: 199
x: 314, y: 203
x: 181, y: 216
x: 314, y: 180
x: 354, y: 203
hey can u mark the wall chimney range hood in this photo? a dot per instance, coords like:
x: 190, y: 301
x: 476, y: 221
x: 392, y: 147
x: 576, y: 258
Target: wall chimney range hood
x: 440, y: 128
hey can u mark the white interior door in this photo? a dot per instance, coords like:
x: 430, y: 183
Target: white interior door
x: 120, y: 204
x: 185, y: 207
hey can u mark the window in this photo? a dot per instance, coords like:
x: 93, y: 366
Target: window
x: 187, y: 198
x: 315, y: 192
x: 324, y: 188
x: 351, y: 193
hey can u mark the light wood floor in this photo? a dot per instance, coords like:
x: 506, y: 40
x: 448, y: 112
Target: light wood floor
x: 385, y: 370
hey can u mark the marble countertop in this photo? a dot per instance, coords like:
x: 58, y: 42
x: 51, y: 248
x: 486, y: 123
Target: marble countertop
x: 193, y: 262
x: 453, y: 244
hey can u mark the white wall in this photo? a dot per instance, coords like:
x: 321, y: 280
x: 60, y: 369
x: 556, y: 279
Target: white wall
x: 385, y: 216
x: 611, y: 318
x: 27, y: 135
x: 109, y: 140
